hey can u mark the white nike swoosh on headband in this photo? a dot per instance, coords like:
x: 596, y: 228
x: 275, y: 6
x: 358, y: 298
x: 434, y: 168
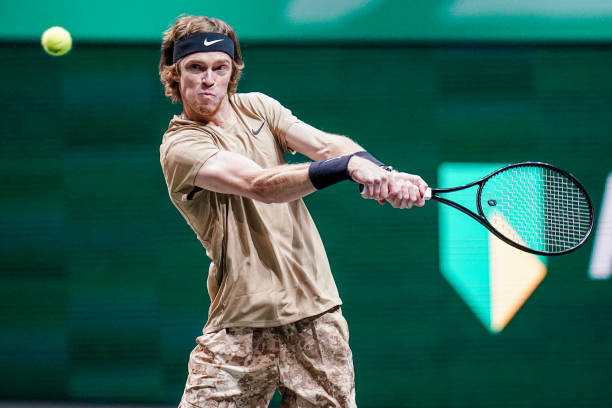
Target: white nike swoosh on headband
x: 207, y: 43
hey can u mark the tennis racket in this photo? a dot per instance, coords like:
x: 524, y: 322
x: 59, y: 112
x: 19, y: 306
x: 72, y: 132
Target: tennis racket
x: 535, y: 207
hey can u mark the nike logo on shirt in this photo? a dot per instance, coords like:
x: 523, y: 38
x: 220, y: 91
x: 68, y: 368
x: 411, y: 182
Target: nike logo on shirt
x: 256, y: 132
x: 207, y: 43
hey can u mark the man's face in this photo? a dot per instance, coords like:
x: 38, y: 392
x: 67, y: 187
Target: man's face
x: 203, y: 83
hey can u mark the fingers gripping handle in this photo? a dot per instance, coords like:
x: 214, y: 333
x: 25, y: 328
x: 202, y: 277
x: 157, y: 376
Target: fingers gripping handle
x: 426, y: 196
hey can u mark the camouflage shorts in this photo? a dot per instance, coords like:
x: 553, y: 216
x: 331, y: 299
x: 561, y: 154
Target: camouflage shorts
x: 308, y: 361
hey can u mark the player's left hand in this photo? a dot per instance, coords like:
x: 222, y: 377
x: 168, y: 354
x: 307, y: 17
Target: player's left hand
x: 406, y: 190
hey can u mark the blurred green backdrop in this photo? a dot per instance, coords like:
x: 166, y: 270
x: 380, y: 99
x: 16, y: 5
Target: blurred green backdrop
x: 320, y: 20
x: 103, y: 284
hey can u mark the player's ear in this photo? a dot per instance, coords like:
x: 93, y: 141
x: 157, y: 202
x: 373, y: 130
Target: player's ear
x: 176, y: 73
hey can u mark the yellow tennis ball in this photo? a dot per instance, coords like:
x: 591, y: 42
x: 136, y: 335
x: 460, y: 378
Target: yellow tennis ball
x: 56, y: 41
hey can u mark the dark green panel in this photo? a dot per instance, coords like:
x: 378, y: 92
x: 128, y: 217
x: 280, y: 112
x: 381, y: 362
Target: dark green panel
x: 103, y: 284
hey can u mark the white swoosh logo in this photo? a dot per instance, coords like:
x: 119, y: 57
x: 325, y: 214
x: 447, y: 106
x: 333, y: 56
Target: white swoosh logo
x: 207, y: 43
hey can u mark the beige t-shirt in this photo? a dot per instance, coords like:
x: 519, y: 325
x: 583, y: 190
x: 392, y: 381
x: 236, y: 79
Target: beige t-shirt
x: 269, y: 267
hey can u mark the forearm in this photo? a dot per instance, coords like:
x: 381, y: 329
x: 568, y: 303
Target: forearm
x: 337, y: 146
x: 317, y: 144
x: 400, y: 189
x: 282, y: 183
x: 231, y: 173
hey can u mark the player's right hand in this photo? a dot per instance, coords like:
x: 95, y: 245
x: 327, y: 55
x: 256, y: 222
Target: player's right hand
x: 401, y: 190
x: 374, y: 179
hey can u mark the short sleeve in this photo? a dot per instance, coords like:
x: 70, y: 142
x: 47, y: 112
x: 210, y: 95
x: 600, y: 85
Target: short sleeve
x: 181, y: 159
x: 279, y: 118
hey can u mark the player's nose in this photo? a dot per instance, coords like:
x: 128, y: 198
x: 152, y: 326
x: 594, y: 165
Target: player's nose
x: 207, y: 77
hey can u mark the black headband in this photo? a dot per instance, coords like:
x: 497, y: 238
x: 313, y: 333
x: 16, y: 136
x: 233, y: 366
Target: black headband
x: 202, y: 42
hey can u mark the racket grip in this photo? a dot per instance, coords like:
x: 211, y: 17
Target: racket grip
x: 427, y: 195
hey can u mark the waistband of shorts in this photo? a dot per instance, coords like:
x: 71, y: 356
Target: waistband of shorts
x: 315, y: 317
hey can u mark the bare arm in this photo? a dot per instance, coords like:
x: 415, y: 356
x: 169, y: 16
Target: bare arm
x: 400, y: 189
x: 232, y: 173
x: 319, y: 145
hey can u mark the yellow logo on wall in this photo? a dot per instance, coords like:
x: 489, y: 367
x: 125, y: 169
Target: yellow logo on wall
x: 492, y: 277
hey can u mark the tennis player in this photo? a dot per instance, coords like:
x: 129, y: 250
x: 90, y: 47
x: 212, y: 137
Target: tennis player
x: 274, y: 320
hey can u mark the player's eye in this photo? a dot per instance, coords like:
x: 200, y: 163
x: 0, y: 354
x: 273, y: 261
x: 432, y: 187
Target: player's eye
x: 194, y: 67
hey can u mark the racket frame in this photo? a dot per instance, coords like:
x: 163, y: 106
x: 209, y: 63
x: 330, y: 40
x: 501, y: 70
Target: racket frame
x: 485, y: 223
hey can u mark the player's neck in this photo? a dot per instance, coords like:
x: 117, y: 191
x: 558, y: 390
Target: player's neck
x: 223, y: 114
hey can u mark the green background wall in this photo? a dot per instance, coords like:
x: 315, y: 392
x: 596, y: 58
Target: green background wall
x: 102, y: 284
x: 320, y: 20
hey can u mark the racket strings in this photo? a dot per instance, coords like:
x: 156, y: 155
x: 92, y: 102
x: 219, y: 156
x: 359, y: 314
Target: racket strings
x: 537, y: 207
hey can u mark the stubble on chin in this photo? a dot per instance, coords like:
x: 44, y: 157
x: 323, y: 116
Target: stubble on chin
x: 202, y: 111
x: 208, y: 109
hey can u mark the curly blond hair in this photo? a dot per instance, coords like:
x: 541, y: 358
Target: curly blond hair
x: 186, y: 25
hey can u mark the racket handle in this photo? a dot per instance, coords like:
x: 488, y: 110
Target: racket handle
x: 427, y: 195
